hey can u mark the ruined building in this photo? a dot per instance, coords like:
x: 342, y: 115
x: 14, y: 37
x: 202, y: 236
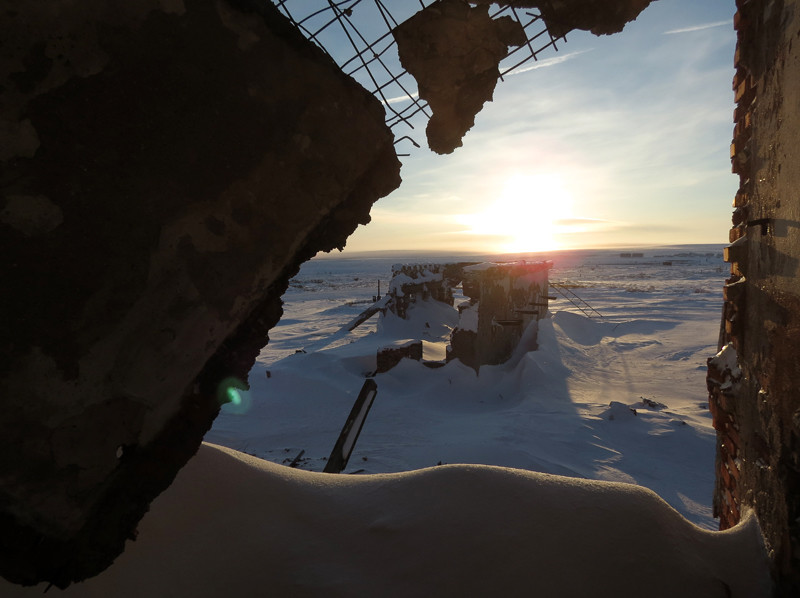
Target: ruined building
x: 503, y: 300
x: 154, y: 158
x: 413, y: 282
x: 753, y: 382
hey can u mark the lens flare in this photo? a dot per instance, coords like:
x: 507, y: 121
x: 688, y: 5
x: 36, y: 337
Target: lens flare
x: 233, y: 394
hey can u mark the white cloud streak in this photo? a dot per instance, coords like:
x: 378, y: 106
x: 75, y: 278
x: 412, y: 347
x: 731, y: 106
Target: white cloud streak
x: 698, y: 27
x: 537, y: 65
x: 403, y: 98
x: 547, y: 62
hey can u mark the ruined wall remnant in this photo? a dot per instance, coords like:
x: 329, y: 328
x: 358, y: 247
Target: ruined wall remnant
x: 166, y: 166
x: 601, y: 17
x: 413, y: 282
x: 758, y: 415
x: 504, y: 300
x: 723, y: 380
x: 453, y: 50
x: 390, y: 356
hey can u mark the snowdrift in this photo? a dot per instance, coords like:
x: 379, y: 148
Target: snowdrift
x: 234, y: 525
x: 544, y: 410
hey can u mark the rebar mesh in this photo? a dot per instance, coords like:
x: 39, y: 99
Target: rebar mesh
x: 357, y: 35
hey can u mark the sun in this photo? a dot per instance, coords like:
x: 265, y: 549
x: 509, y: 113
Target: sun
x: 526, y: 214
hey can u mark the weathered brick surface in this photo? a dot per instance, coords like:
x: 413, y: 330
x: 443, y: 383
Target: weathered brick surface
x: 758, y: 418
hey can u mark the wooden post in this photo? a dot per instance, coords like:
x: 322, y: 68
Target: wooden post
x: 352, y: 428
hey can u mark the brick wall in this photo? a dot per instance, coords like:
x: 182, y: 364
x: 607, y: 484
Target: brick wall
x: 754, y: 389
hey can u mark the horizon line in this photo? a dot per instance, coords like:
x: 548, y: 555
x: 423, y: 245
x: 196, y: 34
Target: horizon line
x: 457, y: 252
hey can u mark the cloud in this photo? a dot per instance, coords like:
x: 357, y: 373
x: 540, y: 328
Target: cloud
x: 548, y: 62
x: 403, y: 98
x: 648, y: 228
x: 698, y: 27
x: 537, y: 65
x: 638, y: 129
x: 581, y: 221
x: 412, y: 216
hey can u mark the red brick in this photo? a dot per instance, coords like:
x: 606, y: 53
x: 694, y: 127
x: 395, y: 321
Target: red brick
x: 732, y: 468
x: 725, y: 475
x: 733, y: 434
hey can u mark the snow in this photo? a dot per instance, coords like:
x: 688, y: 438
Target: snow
x: 615, y: 406
x: 421, y: 275
x: 396, y: 286
x: 544, y: 410
x: 400, y: 344
x: 480, y: 267
x: 727, y: 361
x: 235, y: 525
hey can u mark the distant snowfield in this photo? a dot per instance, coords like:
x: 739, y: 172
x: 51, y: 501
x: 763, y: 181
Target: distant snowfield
x: 603, y: 402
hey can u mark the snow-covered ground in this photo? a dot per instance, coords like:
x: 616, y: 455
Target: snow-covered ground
x: 619, y: 397
x: 233, y: 525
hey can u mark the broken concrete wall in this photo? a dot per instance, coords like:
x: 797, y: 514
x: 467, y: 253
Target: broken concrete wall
x: 453, y: 48
x: 166, y: 166
x: 464, y: 337
x: 419, y: 282
x: 504, y: 300
x: 509, y: 298
x: 758, y: 418
x: 601, y: 17
x: 453, y: 51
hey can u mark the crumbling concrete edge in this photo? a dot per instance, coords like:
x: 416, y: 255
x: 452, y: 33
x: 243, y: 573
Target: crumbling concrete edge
x: 28, y: 556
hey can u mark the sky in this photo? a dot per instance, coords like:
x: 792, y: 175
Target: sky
x: 612, y: 141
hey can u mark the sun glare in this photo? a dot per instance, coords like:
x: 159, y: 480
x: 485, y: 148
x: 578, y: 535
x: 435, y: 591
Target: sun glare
x: 525, y: 216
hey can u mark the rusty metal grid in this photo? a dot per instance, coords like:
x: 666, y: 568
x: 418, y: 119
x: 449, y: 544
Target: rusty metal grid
x: 357, y: 35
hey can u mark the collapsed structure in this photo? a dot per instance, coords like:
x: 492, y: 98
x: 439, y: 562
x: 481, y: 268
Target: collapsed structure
x: 502, y: 302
